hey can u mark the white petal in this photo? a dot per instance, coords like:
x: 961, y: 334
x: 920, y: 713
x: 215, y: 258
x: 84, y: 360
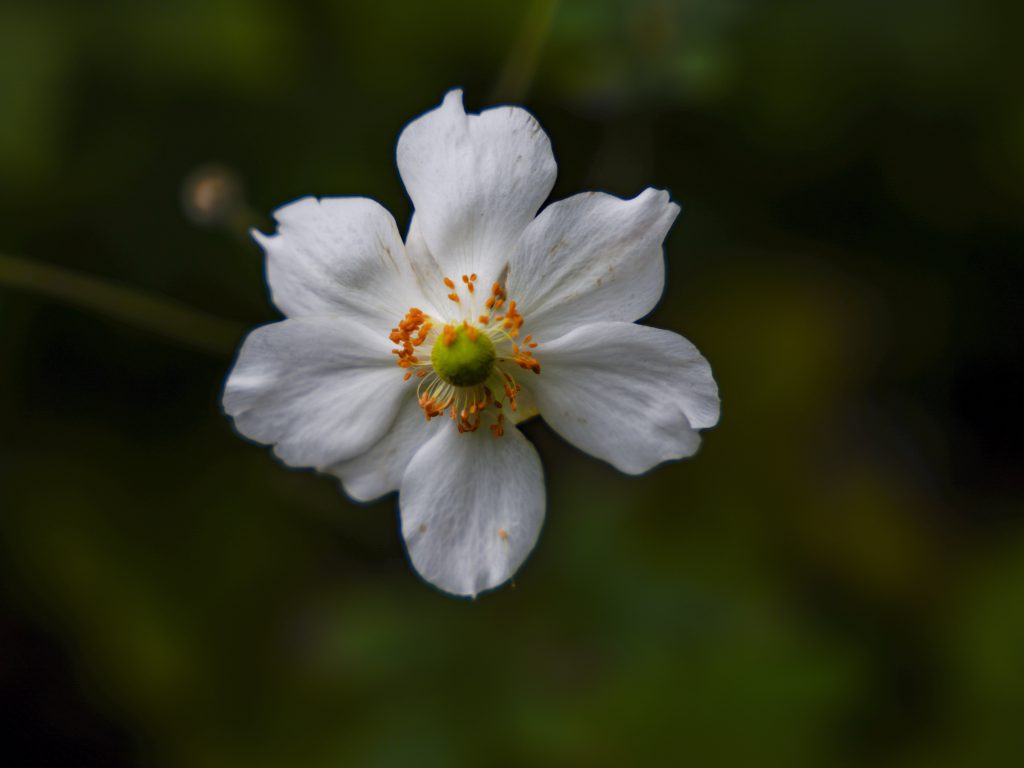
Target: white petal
x: 475, y: 181
x: 472, y: 506
x: 429, y: 275
x: 379, y: 470
x: 319, y: 390
x: 591, y: 257
x: 339, y: 256
x: 631, y: 395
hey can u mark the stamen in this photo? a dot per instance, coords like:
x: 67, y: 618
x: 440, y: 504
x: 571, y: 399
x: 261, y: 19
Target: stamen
x: 513, y: 321
x: 452, y: 391
x: 411, y: 332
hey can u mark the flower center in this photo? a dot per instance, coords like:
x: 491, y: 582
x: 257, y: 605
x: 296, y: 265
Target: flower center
x: 474, y: 358
x: 463, y: 356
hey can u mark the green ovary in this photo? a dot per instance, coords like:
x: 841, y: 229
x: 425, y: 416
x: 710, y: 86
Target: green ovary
x: 463, y: 356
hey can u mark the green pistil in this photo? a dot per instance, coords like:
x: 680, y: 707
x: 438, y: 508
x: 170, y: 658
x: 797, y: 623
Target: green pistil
x: 463, y: 356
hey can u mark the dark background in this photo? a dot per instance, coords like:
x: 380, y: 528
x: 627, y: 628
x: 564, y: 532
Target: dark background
x: 837, y: 578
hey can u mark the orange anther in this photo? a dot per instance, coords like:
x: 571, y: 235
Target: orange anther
x: 454, y: 297
x: 410, y: 333
x: 465, y: 278
x: 449, y: 283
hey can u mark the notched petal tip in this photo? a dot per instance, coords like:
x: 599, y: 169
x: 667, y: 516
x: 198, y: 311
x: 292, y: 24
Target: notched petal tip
x: 662, y: 194
x: 451, y: 103
x: 660, y: 197
x: 298, y: 209
x: 453, y: 99
x: 475, y: 181
x: 262, y: 239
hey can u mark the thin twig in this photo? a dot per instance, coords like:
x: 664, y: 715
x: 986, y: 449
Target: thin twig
x: 170, y: 319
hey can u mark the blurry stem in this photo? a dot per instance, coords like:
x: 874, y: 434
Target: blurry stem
x: 177, y: 322
x: 521, y: 64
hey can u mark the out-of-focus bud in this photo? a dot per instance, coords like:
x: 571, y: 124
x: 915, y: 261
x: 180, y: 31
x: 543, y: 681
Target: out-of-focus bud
x: 212, y: 196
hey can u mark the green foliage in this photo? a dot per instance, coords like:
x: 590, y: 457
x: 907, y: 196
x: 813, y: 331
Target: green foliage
x: 835, y: 579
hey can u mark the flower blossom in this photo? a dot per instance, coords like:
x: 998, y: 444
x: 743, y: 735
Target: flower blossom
x: 408, y: 365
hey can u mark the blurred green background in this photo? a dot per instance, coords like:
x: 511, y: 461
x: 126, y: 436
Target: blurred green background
x: 836, y: 579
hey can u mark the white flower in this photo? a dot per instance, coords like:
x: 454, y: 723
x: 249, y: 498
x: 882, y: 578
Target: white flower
x: 406, y: 366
